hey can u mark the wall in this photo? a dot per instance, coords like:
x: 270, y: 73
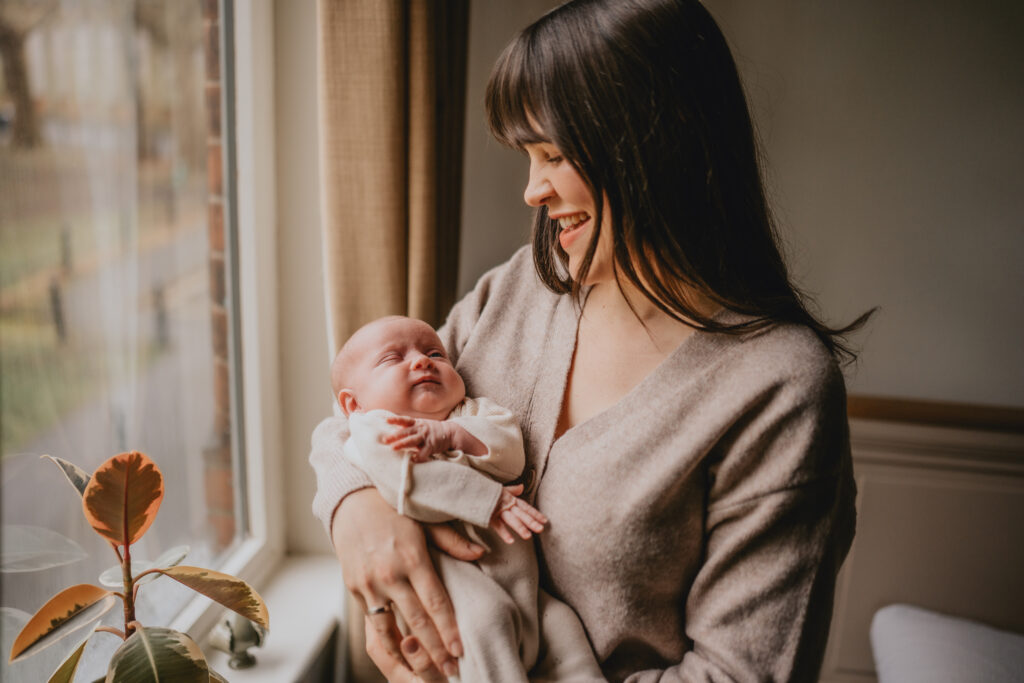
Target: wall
x: 495, y: 220
x: 306, y: 393
x: 894, y: 140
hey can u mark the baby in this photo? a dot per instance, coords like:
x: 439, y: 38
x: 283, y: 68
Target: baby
x: 436, y: 455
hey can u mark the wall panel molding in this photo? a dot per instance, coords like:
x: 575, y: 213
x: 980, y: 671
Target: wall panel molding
x: 939, y: 513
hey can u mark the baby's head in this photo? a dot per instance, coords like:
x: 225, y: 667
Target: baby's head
x: 397, y: 364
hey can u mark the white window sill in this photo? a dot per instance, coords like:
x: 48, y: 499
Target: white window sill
x: 305, y: 598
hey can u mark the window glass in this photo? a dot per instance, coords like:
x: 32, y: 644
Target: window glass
x: 114, y: 313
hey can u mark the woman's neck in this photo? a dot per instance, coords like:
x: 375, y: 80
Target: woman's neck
x: 625, y: 308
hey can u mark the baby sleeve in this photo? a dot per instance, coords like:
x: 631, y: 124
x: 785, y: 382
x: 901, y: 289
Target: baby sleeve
x: 440, y: 490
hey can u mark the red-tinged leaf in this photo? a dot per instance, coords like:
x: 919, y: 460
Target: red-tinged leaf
x: 123, y: 496
x: 228, y: 590
x: 152, y: 655
x: 76, y: 476
x: 64, y: 613
x: 65, y: 673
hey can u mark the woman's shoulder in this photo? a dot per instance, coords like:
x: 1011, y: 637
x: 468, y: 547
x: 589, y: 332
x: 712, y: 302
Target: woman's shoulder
x: 503, y: 297
x: 781, y: 355
x: 516, y: 276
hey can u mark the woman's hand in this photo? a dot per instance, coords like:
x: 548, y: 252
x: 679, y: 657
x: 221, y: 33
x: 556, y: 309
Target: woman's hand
x: 384, y: 562
x: 394, y: 668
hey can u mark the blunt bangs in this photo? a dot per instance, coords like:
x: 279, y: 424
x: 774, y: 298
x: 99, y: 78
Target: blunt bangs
x: 513, y: 96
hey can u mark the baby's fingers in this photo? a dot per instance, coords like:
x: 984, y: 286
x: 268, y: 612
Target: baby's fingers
x: 531, y: 512
x: 407, y: 441
x: 499, y: 527
x: 401, y: 421
x: 527, y: 517
x: 515, y: 523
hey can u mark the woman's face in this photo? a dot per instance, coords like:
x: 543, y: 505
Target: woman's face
x: 555, y: 185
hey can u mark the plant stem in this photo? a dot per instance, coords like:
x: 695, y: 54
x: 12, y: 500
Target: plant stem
x: 129, y: 594
x: 111, y: 629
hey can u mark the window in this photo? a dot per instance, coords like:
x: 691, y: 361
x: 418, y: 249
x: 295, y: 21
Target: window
x: 118, y: 312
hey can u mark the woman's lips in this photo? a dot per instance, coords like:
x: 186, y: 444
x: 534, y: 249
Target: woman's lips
x: 568, y: 235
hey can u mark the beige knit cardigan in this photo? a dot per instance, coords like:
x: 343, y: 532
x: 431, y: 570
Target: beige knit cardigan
x: 697, y: 525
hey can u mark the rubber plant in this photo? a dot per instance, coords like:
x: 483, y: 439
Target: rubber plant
x: 120, y: 501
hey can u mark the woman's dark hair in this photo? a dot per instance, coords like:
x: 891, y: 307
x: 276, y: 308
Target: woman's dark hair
x: 643, y: 98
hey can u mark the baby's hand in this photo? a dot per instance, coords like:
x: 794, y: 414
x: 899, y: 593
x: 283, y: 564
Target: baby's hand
x: 423, y: 438
x: 515, y: 514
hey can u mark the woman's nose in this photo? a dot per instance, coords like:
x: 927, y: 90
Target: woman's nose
x: 538, y: 190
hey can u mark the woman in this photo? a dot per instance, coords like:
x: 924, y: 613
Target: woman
x: 684, y: 413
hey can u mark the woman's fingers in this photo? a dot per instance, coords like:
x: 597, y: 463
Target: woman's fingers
x: 420, y: 662
x: 438, y: 613
x: 451, y: 542
x: 392, y: 665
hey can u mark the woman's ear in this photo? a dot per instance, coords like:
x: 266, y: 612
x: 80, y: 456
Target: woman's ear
x: 347, y: 401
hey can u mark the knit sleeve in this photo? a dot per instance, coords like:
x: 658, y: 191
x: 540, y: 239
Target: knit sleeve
x: 780, y: 520
x: 336, y: 477
x: 496, y: 427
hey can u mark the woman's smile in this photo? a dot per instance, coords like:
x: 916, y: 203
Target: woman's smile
x: 572, y: 227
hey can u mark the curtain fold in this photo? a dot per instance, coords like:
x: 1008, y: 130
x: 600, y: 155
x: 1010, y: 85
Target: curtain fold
x: 392, y: 79
x: 392, y: 106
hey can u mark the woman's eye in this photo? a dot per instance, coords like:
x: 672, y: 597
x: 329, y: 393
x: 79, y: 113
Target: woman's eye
x: 556, y: 159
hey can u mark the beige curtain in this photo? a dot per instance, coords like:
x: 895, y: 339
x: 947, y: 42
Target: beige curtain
x: 392, y: 103
x: 392, y: 93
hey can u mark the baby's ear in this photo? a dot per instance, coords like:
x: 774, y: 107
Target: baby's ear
x: 347, y: 401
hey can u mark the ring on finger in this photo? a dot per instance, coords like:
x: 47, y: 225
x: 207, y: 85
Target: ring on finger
x: 381, y: 609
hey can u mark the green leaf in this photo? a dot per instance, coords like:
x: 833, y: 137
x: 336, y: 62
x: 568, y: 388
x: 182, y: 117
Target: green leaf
x: 65, y: 673
x: 77, y: 477
x: 63, y: 614
x: 32, y: 548
x: 152, y: 655
x: 123, y: 496
x: 228, y: 590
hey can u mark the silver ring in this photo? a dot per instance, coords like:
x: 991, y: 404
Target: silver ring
x: 374, y: 611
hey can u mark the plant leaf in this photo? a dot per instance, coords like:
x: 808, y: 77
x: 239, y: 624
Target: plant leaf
x: 64, y: 613
x: 158, y: 654
x: 122, y: 498
x: 31, y: 548
x: 65, y: 673
x: 228, y: 590
x: 77, y: 477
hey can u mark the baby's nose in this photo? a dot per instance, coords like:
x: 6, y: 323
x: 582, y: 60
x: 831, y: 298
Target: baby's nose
x: 422, y: 361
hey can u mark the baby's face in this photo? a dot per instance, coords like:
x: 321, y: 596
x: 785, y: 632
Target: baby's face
x: 399, y: 364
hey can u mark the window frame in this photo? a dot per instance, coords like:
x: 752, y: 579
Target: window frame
x: 247, y: 119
